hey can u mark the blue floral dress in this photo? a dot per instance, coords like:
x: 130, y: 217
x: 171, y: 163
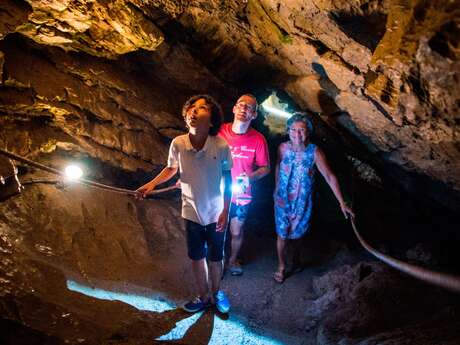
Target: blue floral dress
x: 294, y: 195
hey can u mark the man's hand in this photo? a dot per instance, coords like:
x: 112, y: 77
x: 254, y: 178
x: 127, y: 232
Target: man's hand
x: 142, y: 192
x: 242, y: 182
x: 222, y: 221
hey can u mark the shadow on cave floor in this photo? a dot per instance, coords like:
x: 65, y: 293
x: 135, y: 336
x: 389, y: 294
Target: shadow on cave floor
x: 339, y: 293
x: 263, y: 311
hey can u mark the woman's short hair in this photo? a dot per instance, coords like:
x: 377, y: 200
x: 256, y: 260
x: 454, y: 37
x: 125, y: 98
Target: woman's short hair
x: 300, y: 116
x: 217, y: 115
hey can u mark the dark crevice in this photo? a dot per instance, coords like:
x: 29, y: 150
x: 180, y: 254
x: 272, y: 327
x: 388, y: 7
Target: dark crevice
x: 366, y: 29
x: 14, y: 333
x: 320, y: 47
x: 446, y: 40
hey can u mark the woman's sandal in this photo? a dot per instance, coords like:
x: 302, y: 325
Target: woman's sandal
x: 278, y: 276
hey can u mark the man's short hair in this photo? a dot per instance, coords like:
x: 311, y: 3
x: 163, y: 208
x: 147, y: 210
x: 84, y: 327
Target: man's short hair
x: 252, y: 96
x: 217, y: 115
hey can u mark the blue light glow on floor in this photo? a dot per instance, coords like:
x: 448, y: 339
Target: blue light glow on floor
x: 181, y: 328
x: 138, y: 302
x: 225, y: 332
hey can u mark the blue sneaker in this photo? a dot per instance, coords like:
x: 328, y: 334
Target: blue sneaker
x: 222, y: 302
x: 196, y: 305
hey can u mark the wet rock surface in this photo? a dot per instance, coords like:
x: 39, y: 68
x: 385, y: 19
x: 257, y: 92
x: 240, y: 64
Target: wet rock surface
x: 102, y: 83
x: 392, y: 66
x: 82, y: 270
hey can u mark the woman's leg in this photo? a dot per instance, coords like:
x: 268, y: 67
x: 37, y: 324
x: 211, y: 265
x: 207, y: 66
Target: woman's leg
x: 281, y: 250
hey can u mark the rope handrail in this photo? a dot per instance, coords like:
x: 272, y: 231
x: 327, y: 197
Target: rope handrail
x: 81, y: 181
x: 445, y: 280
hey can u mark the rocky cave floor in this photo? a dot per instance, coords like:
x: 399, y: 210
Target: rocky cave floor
x: 102, y: 82
x: 86, y: 283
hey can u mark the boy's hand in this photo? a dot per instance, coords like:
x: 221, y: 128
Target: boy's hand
x: 222, y: 221
x: 142, y: 192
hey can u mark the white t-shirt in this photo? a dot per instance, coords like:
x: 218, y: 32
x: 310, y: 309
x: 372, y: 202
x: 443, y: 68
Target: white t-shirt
x: 201, y: 176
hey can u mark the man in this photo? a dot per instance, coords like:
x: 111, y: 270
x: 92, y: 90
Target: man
x: 251, y: 162
x: 203, y: 160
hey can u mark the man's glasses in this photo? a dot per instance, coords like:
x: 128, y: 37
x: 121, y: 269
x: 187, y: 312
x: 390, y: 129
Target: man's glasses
x: 242, y: 105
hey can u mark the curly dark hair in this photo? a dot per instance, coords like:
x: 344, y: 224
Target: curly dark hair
x: 217, y: 115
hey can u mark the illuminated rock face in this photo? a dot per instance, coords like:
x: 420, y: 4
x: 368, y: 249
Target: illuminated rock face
x: 392, y: 66
x: 104, y: 82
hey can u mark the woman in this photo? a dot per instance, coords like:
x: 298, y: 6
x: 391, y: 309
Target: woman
x: 295, y: 175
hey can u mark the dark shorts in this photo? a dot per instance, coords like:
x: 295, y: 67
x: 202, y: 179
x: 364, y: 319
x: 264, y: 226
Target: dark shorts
x: 239, y: 211
x: 204, y: 241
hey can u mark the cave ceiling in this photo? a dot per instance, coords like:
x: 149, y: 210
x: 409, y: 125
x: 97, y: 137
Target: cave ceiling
x: 107, y: 78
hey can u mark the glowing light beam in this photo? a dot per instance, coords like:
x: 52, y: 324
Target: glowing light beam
x: 276, y: 111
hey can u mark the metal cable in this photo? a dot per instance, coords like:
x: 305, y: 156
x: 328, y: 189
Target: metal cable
x: 81, y: 181
x: 445, y: 280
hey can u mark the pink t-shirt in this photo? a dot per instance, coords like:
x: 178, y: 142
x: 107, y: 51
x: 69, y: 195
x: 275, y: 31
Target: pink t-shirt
x: 249, y: 152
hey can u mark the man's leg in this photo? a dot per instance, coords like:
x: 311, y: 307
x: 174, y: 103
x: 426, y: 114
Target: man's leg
x: 196, y: 247
x: 236, y: 231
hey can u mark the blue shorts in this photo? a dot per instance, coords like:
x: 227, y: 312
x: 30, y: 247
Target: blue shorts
x: 204, y: 241
x: 239, y: 211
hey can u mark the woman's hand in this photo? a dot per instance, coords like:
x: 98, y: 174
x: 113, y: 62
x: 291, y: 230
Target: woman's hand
x: 346, y: 210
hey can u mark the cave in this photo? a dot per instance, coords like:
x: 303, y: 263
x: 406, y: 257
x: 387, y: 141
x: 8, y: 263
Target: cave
x: 100, y: 85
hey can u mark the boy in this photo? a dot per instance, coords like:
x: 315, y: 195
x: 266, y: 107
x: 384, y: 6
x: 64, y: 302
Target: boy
x: 203, y: 160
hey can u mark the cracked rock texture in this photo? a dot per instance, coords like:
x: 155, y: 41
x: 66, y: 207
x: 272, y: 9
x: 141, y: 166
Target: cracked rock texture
x: 101, y: 72
x: 103, y: 82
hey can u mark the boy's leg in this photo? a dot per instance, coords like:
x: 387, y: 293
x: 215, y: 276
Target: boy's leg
x: 215, y: 270
x: 196, y: 247
x: 200, y: 273
x: 216, y: 242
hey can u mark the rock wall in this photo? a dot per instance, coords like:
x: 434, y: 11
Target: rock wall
x: 384, y: 72
x: 103, y: 82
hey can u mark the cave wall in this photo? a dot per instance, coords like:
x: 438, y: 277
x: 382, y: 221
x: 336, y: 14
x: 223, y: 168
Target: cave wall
x: 391, y: 66
x: 384, y: 72
x: 104, y: 81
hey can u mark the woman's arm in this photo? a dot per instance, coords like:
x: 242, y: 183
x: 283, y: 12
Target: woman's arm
x: 331, y: 179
